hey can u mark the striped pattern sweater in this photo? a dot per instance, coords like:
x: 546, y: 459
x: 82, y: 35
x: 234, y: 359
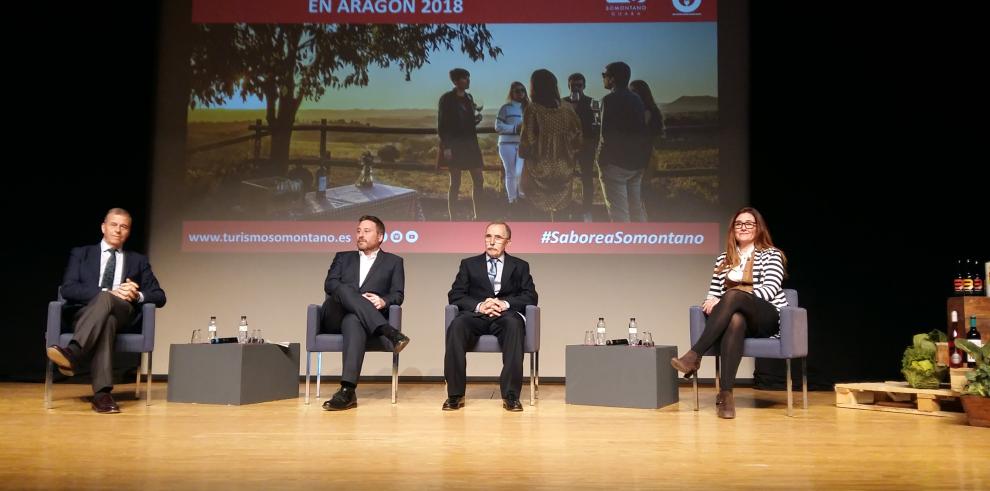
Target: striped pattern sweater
x: 768, y: 274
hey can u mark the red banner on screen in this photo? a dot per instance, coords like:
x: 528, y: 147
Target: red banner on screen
x: 455, y: 237
x: 451, y: 11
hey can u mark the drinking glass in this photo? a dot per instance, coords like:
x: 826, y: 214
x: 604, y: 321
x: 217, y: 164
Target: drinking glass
x: 647, y: 339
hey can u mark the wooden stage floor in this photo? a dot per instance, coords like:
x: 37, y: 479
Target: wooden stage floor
x: 414, y: 445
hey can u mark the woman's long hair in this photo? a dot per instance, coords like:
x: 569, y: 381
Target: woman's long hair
x: 543, y: 88
x: 761, y: 240
x: 512, y: 88
x: 641, y: 89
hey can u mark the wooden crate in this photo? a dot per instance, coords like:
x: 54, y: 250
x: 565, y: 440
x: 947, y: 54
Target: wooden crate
x: 896, y: 397
x: 965, y: 307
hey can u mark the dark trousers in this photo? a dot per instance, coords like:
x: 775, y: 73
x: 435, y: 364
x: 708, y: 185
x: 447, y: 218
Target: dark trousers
x: 737, y: 316
x: 347, y: 312
x: 586, y: 161
x: 95, y: 330
x: 509, y: 328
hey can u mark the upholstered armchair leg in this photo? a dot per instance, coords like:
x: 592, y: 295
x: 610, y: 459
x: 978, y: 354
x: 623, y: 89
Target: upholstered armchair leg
x: 319, y: 372
x: 804, y: 381
x: 137, y: 378
x: 790, y: 393
x: 147, y: 396
x: 537, y: 374
x: 694, y: 382
x: 309, y: 359
x: 718, y: 374
x: 532, y: 379
x: 49, y: 368
x: 395, y: 376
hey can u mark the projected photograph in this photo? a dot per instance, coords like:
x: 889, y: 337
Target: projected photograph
x: 327, y: 122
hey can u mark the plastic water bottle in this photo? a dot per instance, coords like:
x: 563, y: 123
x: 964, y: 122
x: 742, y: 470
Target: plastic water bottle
x: 211, y: 330
x: 600, y: 332
x: 242, y: 330
x: 633, y: 333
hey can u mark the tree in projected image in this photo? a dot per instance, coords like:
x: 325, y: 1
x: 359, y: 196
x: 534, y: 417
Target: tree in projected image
x: 286, y: 64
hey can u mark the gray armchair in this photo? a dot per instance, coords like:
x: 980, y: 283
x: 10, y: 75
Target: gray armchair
x: 143, y: 341
x: 792, y: 343
x: 489, y: 344
x: 319, y: 343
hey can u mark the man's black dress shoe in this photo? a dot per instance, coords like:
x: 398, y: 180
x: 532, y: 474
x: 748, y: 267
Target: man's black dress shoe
x: 345, y: 398
x: 399, y: 341
x: 511, y: 403
x: 103, y: 403
x: 62, y: 359
x: 453, y: 403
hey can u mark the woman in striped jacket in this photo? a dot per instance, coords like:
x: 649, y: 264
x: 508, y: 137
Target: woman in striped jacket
x: 744, y: 300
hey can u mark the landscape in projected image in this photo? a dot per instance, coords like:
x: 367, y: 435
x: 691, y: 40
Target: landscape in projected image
x: 328, y: 104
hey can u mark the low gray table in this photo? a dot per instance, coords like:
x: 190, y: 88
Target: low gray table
x: 232, y: 373
x: 621, y: 376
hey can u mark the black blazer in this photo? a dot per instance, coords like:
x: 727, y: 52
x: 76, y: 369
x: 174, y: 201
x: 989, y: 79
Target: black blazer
x: 81, y: 281
x: 386, y: 278
x: 587, y: 116
x: 472, y: 286
x: 458, y: 132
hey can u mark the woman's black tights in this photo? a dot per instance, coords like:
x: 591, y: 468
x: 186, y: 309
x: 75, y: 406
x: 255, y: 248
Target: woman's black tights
x: 735, y: 317
x: 455, y: 189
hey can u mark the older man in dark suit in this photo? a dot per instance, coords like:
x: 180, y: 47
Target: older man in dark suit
x: 105, y: 286
x: 360, y: 286
x: 491, y: 291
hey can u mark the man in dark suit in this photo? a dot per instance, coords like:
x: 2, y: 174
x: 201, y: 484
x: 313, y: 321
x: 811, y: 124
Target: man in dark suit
x: 106, y: 286
x: 360, y: 286
x: 491, y: 291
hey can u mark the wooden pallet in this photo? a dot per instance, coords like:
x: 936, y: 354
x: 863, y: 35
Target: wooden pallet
x: 895, y: 397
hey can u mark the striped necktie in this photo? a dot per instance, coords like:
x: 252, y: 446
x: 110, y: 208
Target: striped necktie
x: 492, y: 271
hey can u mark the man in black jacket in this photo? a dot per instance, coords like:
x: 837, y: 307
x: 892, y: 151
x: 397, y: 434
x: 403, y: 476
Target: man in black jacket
x: 620, y: 153
x: 360, y: 286
x: 491, y: 291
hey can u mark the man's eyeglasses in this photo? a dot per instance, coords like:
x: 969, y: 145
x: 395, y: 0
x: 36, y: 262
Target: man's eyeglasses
x: 744, y: 225
x: 495, y: 239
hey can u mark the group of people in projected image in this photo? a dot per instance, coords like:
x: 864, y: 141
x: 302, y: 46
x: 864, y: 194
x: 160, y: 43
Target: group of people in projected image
x: 546, y: 141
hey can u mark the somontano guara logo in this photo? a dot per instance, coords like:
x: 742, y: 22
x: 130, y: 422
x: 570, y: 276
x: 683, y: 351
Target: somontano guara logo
x: 625, y: 8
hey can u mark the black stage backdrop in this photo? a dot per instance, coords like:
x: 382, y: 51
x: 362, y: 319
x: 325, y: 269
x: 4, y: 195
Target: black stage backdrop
x: 843, y: 104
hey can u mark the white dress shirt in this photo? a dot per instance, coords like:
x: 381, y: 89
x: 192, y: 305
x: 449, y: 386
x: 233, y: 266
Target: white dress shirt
x: 118, y: 271
x: 367, y: 260
x: 499, y: 265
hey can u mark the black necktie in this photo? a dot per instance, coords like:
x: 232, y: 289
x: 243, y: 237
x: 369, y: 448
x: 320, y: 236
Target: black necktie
x: 111, y: 268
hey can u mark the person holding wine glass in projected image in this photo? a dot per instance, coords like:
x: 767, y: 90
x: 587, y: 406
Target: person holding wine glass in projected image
x: 744, y: 300
x: 457, y: 121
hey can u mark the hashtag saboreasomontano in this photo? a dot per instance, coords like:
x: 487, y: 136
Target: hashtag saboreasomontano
x: 572, y: 237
